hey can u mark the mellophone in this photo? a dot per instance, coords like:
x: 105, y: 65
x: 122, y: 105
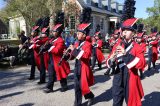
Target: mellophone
x: 48, y: 43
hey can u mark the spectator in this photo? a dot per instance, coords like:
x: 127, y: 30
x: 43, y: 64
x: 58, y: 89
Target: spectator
x: 5, y: 54
x: 66, y: 32
x: 70, y: 39
x: 1, y: 52
x: 22, y: 52
x: 22, y: 37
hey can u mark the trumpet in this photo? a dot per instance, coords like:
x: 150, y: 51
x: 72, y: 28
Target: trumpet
x: 24, y: 44
x: 64, y: 55
x: 112, y: 44
x: 116, y: 53
x: 43, y: 47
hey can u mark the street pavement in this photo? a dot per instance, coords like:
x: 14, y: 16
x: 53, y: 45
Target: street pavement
x: 16, y: 90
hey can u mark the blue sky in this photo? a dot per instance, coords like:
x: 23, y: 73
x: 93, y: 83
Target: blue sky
x: 141, y: 6
x: 2, y: 4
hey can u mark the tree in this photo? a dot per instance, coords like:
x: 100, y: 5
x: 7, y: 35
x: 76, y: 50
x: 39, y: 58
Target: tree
x: 54, y: 6
x: 72, y: 9
x: 128, y: 10
x: 154, y: 15
x: 4, y: 16
x: 31, y: 10
x: 154, y: 11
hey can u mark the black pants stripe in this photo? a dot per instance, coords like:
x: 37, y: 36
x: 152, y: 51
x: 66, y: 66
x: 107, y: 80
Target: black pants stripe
x: 52, y: 76
x: 120, y: 86
x: 42, y: 69
x: 95, y: 59
x: 33, y: 65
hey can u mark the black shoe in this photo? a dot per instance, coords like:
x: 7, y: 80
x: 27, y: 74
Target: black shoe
x: 31, y: 78
x: 11, y: 67
x: 141, y: 77
x: 64, y: 89
x: 90, y: 101
x: 154, y: 69
x: 100, y: 68
x: 48, y: 90
x: 77, y: 104
x: 107, y: 72
x: 41, y: 82
x: 112, y: 73
x: 92, y: 68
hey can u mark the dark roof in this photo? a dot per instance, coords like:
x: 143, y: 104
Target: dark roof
x: 95, y: 9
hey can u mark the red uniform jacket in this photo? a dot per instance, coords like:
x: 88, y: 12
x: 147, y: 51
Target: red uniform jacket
x: 36, y: 47
x: 84, y: 56
x: 135, y: 87
x: 57, y: 49
x: 100, y: 56
x: 136, y: 91
x: 111, y: 40
x: 154, y: 50
x: 36, y: 50
x: 89, y: 39
x: 143, y: 48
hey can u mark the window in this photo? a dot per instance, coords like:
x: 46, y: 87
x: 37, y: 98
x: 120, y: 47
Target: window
x: 99, y: 3
x: 91, y: 21
x: 88, y: 1
x: 65, y: 1
x: 72, y: 22
x: 102, y: 23
x: 3, y: 31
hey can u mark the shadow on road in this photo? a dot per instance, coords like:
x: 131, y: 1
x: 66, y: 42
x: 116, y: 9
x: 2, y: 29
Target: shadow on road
x: 151, y: 72
x: 27, y: 104
x: 10, y: 95
x: 7, y: 81
x: 9, y: 74
x: 101, y: 78
x: 103, y: 68
x: 152, y: 99
x: 70, y: 87
x: 104, y: 97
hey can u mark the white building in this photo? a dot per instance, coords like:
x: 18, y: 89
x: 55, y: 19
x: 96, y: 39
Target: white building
x: 106, y: 13
x: 16, y: 25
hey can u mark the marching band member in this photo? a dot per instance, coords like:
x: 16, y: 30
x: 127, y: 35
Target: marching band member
x: 142, y: 44
x: 115, y: 42
x: 34, y: 57
x: 43, y: 55
x: 97, y: 49
x: 153, y: 52
x: 31, y: 52
x: 128, y: 58
x: 81, y: 51
x: 55, y: 71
